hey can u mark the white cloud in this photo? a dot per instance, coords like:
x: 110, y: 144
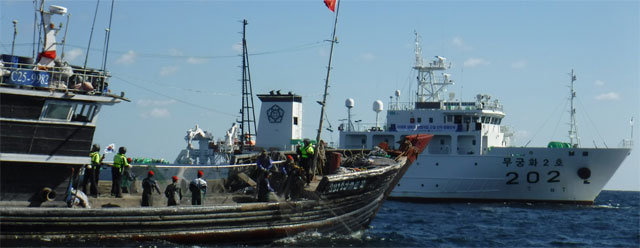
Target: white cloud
x: 520, y: 64
x: 127, y: 58
x: 599, y: 83
x: 459, y: 43
x: 168, y: 70
x: 175, y: 52
x: 156, y: 113
x: 237, y: 47
x: 367, y: 57
x: 73, y: 54
x: 611, y: 96
x: 149, y: 102
x: 194, y: 60
x: 473, y: 62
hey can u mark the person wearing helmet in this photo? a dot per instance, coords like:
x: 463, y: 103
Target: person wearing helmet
x: 119, y: 163
x: 148, y: 185
x: 92, y: 171
x: 173, y: 193
x: 198, y: 188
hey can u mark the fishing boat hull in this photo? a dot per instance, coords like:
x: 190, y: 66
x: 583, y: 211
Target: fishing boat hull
x: 343, y: 202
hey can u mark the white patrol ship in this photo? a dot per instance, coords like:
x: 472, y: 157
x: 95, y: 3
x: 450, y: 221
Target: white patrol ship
x: 470, y: 157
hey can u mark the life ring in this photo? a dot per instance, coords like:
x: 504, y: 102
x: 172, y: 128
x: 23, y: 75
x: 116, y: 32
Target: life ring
x: 47, y: 194
x: 584, y: 173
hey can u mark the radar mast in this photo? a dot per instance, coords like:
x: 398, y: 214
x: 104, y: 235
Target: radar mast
x: 429, y: 87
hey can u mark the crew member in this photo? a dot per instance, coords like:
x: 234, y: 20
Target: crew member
x: 265, y: 164
x: 148, y: 185
x: 306, y: 155
x: 119, y: 163
x: 294, y: 182
x: 198, y: 188
x: 173, y: 193
x: 91, y: 170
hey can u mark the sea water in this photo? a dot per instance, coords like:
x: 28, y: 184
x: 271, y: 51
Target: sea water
x: 612, y: 221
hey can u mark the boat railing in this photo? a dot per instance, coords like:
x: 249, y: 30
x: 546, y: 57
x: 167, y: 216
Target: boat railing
x: 60, y: 78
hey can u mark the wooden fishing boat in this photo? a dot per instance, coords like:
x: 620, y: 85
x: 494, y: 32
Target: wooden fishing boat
x: 345, y: 201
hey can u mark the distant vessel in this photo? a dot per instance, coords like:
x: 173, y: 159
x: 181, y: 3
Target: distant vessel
x: 471, y: 158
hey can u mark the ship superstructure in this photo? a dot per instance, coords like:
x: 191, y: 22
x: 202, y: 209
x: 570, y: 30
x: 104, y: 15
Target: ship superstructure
x: 471, y: 157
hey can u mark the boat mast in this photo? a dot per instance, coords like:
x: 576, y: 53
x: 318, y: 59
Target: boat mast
x: 573, y: 129
x: 326, y: 82
x: 247, y: 111
x: 429, y: 88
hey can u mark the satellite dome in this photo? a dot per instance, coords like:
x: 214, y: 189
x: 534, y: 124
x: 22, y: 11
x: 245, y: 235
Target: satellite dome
x: 377, y: 106
x: 349, y: 103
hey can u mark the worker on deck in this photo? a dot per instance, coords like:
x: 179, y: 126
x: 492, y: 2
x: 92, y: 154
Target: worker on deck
x: 264, y: 164
x: 173, y: 192
x: 148, y: 185
x: 91, y: 170
x: 294, y: 181
x: 119, y: 163
x: 198, y: 188
x: 306, y: 155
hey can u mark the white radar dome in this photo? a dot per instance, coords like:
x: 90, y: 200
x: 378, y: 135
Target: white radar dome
x: 349, y: 103
x: 54, y: 9
x: 397, y: 93
x: 377, y: 106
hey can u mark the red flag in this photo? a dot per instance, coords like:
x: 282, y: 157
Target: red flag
x: 331, y: 4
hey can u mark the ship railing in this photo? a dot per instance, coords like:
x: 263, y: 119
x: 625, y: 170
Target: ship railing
x: 60, y: 78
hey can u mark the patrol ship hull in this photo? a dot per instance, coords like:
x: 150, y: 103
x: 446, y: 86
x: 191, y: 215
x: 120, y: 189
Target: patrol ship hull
x: 471, y: 157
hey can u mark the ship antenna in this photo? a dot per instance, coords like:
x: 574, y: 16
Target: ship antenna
x: 573, y: 130
x: 107, y: 39
x: 15, y: 32
x: 247, y: 95
x: 86, y: 57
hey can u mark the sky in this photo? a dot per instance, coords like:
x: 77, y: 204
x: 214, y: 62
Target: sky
x: 179, y: 63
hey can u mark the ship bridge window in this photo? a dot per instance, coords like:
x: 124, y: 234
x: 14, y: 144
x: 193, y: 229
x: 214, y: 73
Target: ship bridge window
x: 56, y: 110
x: 65, y: 111
x: 84, y: 112
x: 457, y: 119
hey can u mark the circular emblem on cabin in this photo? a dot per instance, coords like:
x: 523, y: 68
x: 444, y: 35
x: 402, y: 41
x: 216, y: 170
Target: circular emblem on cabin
x: 275, y: 114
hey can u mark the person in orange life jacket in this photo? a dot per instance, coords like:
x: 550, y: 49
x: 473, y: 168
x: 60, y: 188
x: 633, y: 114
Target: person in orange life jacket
x: 91, y: 170
x: 119, y: 163
x: 173, y: 193
x: 198, y: 188
x: 148, y: 185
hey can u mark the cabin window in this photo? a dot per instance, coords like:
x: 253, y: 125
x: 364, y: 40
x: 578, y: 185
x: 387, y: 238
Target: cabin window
x: 412, y: 120
x: 295, y: 120
x: 430, y: 120
x: 84, y: 112
x: 441, y: 141
x: 475, y: 119
x: 483, y: 119
x: 467, y: 119
x: 457, y: 119
x: 498, y: 121
x: 473, y: 142
x: 449, y: 118
x: 419, y: 119
x: 56, y: 110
